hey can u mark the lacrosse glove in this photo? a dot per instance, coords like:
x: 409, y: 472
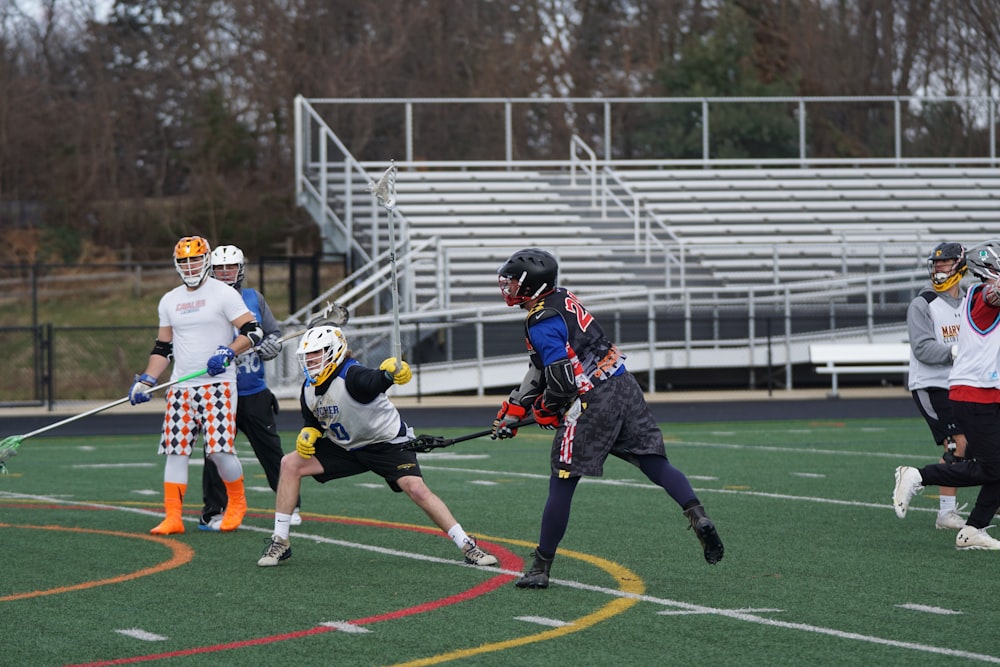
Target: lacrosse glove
x: 217, y: 362
x: 509, y: 413
x: 305, y: 444
x: 139, y: 393
x: 269, y: 348
x: 397, y: 371
x: 545, y: 416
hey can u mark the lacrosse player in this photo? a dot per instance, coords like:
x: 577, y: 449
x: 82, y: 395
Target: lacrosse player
x: 577, y: 385
x: 196, y: 330
x: 256, y: 406
x: 352, y: 427
x: 974, y: 384
x: 933, y: 319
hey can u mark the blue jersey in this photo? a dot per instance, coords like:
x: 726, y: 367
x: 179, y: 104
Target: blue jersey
x: 249, y: 367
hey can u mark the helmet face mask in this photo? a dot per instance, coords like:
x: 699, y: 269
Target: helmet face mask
x: 229, y: 265
x: 321, y: 352
x: 526, y: 275
x: 191, y: 259
x: 946, y: 266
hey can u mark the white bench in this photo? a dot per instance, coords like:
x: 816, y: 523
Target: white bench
x: 835, y: 358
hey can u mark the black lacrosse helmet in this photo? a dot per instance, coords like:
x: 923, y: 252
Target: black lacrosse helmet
x: 945, y: 280
x: 527, y: 274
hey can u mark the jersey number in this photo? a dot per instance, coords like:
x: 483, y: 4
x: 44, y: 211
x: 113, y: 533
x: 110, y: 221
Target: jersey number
x: 583, y: 318
x: 339, y: 432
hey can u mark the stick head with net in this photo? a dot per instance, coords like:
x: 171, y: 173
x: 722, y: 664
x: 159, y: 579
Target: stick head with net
x: 425, y: 443
x: 385, y: 188
x: 334, y: 315
x: 8, y: 448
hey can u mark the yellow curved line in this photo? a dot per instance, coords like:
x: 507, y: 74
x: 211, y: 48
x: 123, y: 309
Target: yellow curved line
x: 181, y: 554
x: 628, y: 582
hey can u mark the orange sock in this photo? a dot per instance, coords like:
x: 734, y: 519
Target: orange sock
x: 173, y: 503
x: 236, y: 506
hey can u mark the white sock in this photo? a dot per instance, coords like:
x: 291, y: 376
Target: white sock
x: 282, y: 524
x: 458, y: 535
x: 947, y: 504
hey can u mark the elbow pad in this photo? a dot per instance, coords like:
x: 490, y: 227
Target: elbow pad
x: 560, y: 384
x: 529, y: 390
x: 165, y: 350
x: 252, y: 331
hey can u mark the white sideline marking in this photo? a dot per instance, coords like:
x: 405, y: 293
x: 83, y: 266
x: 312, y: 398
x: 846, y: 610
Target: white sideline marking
x: 703, y: 478
x: 344, y: 626
x: 809, y: 474
x: 142, y: 635
x: 260, y: 489
x: 928, y: 609
x: 540, y: 620
x: 98, y: 466
x: 445, y: 456
x: 669, y: 612
x: 483, y: 482
x: 146, y: 492
x: 722, y: 433
x: 87, y: 448
x: 804, y: 431
x: 369, y: 485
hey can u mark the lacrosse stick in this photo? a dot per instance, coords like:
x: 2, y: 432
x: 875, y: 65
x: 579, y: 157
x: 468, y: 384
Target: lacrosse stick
x: 425, y: 443
x: 385, y: 191
x: 10, y: 444
x: 333, y: 315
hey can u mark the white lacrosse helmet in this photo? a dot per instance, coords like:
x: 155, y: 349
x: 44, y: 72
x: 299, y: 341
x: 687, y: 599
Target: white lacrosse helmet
x: 229, y: 265
x: 319, y: 367
x: 191, y: 259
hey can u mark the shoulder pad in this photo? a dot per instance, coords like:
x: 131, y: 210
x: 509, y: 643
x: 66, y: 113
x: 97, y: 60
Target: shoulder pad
x: 929, y: 296
x: 539, y: 313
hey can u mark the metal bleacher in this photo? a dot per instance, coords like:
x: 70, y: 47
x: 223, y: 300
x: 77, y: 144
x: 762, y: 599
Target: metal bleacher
x: 693, y: 258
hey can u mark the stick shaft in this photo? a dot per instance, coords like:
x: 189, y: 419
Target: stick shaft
x: 108, y: 406
x: 485, y: 432
x: 397, y: 342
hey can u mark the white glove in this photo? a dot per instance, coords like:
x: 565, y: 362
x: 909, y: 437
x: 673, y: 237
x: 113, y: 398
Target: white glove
x: 269, y: 348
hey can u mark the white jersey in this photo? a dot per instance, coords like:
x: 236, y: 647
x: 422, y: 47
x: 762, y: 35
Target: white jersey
x: 201, y: 321
x: 349, y: 423
x: 978, y: 362
x: 938, y: 318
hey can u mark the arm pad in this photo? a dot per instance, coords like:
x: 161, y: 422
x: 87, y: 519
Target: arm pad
x: 163, y: 349
x: 252, y: 331
x: 560, y: 385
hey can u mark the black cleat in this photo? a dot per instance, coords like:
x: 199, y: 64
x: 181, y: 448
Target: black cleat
x: 707, y: 535
x: 538, y: 575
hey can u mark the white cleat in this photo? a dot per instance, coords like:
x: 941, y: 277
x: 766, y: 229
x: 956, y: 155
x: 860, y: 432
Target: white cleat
x: 474, y: 555
x: 908, y: 484
x: 949, y: 520
x: 976, y: 538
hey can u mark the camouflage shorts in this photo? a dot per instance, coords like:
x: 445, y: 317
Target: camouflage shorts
x: 615, y: 420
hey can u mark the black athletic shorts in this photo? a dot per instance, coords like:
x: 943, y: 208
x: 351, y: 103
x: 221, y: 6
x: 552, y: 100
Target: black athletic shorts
x: 938, y: 411
x: 616, y: 420
x: 388, y: 461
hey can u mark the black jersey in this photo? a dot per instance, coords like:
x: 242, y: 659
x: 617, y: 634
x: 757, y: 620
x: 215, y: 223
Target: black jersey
x: 593, y: 355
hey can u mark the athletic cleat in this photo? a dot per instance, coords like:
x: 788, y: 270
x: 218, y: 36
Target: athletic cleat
x: 703, y: 527
x: 538, y: 575
x: 169, y: 526
x: 970, y: 538
x: 949, y: 520
x: 476, y: 556
x: 908, y: 484
x: 210, y: 523
x: 236, y: 508
x: 277, y: 550
x: 296, y: 519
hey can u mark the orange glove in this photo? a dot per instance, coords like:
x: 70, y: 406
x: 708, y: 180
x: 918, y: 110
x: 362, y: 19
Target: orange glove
x: 509, y: 413
x: 544, y: 417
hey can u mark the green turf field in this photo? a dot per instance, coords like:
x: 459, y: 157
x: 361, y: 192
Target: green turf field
x: 817, y: 571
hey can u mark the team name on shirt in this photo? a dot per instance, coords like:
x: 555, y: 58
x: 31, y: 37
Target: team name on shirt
x: 190, y: 306
x: 949, y: 332
x: 327, y: 412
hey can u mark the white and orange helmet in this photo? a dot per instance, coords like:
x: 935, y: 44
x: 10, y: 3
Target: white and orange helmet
x: 192, y: 258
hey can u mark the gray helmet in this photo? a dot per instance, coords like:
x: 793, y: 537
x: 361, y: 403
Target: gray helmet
x: 984, y: 260
x: 527, y: 274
